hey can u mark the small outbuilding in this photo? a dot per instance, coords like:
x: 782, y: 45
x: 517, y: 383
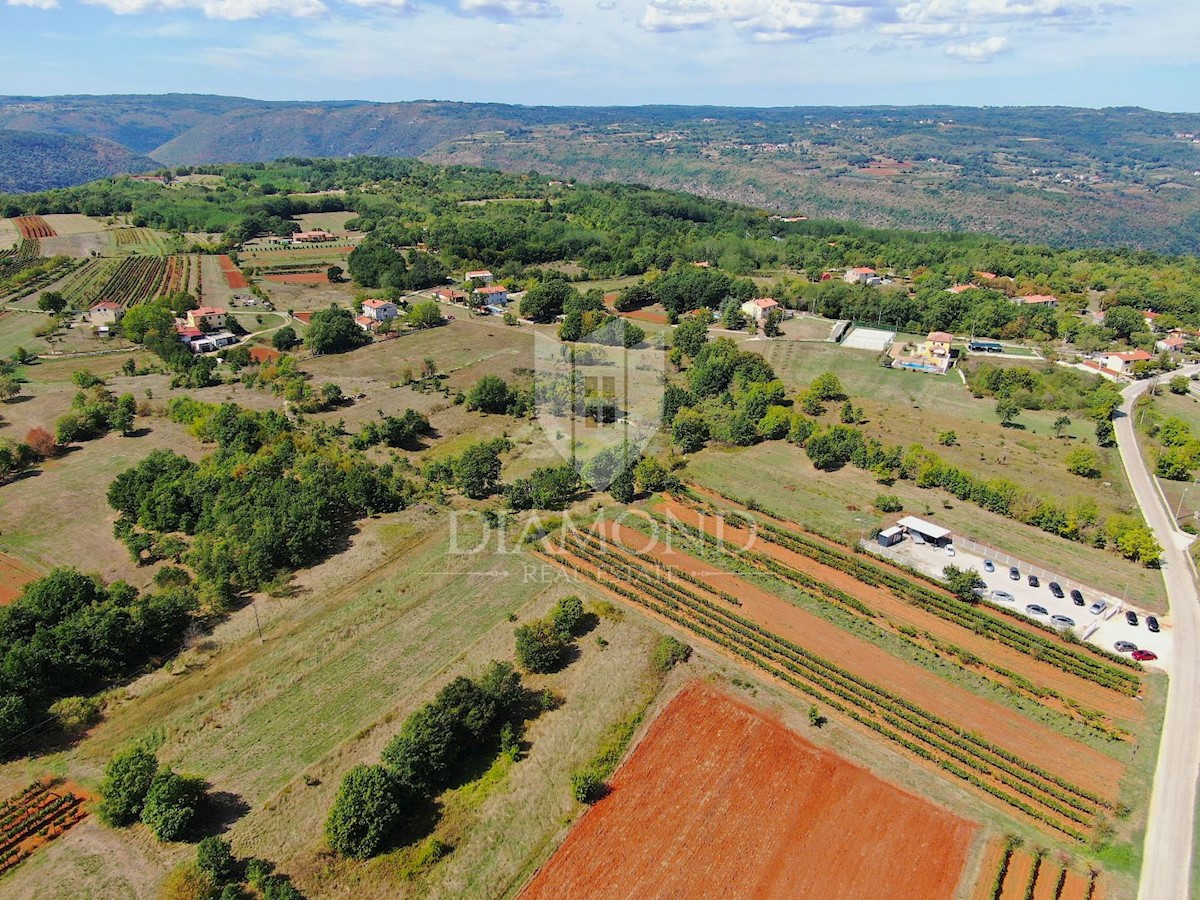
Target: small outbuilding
x: 890, y: 536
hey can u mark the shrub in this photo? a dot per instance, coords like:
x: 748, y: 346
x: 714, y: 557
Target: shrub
x: 76, y: 714
x: 668, y: 653
x: 365, y: 812
x: 540, y: 646
x: 127, y: 780
x: 1083, y: 461
x: 216, y: 856
x: 586, y: 786
x: 566, y: 616
x: 188, y: 881
x: 41, y: 442
x: 171, y: 804
x: 888, y: 503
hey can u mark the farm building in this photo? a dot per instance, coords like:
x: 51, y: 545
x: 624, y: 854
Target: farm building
x: 1172, y: 343
x: 930, y: 533
x: 446, y: 296
x: 367, y: 323
x: 380, y: 310
x: 105, y: 313
x: 759, y: 309
x: 890, y: 536
x: 317, y: 236
x: 206, y: 317
x: 492, y: 295
x: 481, y: 275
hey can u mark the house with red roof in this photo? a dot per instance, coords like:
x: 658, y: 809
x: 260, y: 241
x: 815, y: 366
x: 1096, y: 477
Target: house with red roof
x: 859, y: 275
x: 480, y: 275
x: 106, y: 312
x: 206, y: 318
x: 759, y: 309
x: 366, y: 323
x: 1037, y: 300
x: 959, y: 288
x: 1172, y: 343
x: 448, y: 296
x: 1121, y: 363
x: 1150, y: 317
x: 492, y: 295
x: 316, y: 236
x: 380, y: 310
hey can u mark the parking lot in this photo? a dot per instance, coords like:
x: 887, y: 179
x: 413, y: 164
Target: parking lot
x: 1103, y: 630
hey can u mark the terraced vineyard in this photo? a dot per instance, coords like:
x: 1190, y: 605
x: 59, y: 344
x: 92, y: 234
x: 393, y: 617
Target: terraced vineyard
x: 34, y: 817
x: 1048, y: 799
x: 34, y: 227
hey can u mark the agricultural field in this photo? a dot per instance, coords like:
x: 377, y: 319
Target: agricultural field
x: 10, y: 235
x: 33, y: 818
x: 712, y: 770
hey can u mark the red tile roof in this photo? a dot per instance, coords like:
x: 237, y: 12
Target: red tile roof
x: 940, y: 337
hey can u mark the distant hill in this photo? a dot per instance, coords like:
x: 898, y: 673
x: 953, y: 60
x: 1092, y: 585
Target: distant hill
x: 33, y: 161
x: 1050, y: 174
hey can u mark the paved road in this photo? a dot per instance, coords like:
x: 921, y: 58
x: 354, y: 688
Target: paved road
x: 1167, y: 863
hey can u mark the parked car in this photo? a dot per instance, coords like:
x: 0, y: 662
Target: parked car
x: 1063, y: 621
x: 1003, y: 597
x: 1152, y: 623
x: 949, y: 550
x: 1131, y: 617
x: 1034, y: 610
x: 1033, y: 581
x: 1014, y: 573
x: 1056, y: 589
x: 1076, y: 598
x: 1124, y: 646
x: 989, y: 566
x: 1144, y: 655
x: 1098, y: 607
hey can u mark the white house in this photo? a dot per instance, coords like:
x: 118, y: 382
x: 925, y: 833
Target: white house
x: 481, y: 275
x: 105, y: 313
x: 860, y: 275
x: 492, y: 295
x: 759, y: 309
x: 1122, y: 362
x: 1172, y: 343
x: 206, y: 317
x: 380, y: 310
x: 1037, y: 300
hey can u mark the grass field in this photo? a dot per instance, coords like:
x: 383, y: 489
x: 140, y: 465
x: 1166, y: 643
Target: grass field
x: 10, y: 236
x: 16, y: 330
x: 329, y: 221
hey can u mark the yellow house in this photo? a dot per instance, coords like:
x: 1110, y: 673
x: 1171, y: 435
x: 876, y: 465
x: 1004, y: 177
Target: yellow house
x: 937, y: 345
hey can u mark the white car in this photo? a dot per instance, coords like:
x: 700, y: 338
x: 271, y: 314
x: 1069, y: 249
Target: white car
x: 1003, y: 597
x: 949, y: 550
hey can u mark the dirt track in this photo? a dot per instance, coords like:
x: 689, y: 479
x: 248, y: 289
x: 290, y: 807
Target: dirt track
x: 720, y: 801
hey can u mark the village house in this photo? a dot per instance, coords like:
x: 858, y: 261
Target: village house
x: 1037, y: 300
x: 206, y: 318
x: 1121, y: 363
x: 105, y: 313
x: 860, y: 275
x: 481, y: 275
x: 1172, y: 343
x: 937, y: 345
x: 366, y: 323
x: 448, y: 296
x: 380, y: 310
x: 959, y: 288
x: 1150, y: 317
x: 492, y: 295
x: 758, y: 310
x: 316, y: 236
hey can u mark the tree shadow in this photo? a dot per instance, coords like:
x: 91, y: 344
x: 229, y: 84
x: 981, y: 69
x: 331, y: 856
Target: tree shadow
x: 20, y: 398
x: 217, y: 813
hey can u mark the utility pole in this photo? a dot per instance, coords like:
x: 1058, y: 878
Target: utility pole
x: 257, y: 624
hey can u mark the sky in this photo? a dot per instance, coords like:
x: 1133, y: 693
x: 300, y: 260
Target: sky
x: 598, y: 52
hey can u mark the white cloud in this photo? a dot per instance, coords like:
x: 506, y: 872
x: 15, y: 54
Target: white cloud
x: 510, y: 9
x: 979, y: 51
x: 230, y: 10
x: 36, y: 4
x: 767, y: 20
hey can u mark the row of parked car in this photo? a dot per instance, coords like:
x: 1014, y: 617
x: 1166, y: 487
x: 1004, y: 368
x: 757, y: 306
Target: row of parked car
x: 1062, y: 621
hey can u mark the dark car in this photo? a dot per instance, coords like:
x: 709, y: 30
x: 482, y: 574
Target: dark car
x: 1056, y: 589
x: 1034, y: 610
x: 1124, y: 646
x: 1131, y: 617
x: 1033, y: 581
x: 1077, y: 598
x: 1014, y: 573
x: 1152, y: 623
x: 1144, y: 655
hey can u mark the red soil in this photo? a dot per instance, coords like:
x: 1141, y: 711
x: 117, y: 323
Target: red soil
x: 1075, y: 887
x: 233, y: 275
x: 1017, y: 878
x: 304, y: 317
x: 719, y: 800
x: 299, y: 278
x: 992, y: 855
x: 34, y: 227
x: 653, y: 314
x: 1086, y: 692
x: 14, y: 575
x: 1002, y: 726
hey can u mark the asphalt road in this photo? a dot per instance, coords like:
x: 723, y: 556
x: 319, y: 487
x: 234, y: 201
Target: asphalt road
x: 1167, y: 857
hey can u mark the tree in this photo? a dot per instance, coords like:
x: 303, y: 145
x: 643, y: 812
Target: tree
x: 127, y: 780
x: 10, y: 387
x: 947, y: 438
x: 689, y: 430
x: 334, y: 274
x: 1106, y: 435
x: 122, y: 415
x: 147, y: 319
x: 963, y: 582
x: 216, y: 856
x: 285, y: 338
x: 567, y: 616
x: 1179, y: 384
x: 827, y: 386
x: 771, y: 324
x: 669, y: 653
x: 1124, y: 321
x: 332, y: 330
x: 1061, y: 424
x: 52, y: 301
x: 171, y: 804
x: 540, y: 646
x: 365, y: 812
x: 1007, y: 411
x: 888, y: 503
x: 489, y: 394
x: 547, y: 299
x: 477, y: 471
x: 1083, y: 461
x: 691, y: 333
x: 426, y: 314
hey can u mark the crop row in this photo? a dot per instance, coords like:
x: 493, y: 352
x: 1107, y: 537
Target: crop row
x: 21, y: 257
x: 34, y: 227
x: 924, y: 734
x: 675, y: 571
x: 943, y: 605
x: 37, y: 812
x: 136, y: 280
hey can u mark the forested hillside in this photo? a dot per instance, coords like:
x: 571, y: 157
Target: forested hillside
x: 35, y: 161
x: 1072, y: 177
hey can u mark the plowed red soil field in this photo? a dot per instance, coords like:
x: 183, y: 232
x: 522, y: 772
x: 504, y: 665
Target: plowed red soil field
x: 720, y: 800
x: 14, y: 575
x: 1002, y: 726
x: 233, y: 275
x: 1086, y: 692
x: 34, y: 227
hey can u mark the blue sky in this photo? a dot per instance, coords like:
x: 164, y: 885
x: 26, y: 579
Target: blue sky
x: 730, y: 52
